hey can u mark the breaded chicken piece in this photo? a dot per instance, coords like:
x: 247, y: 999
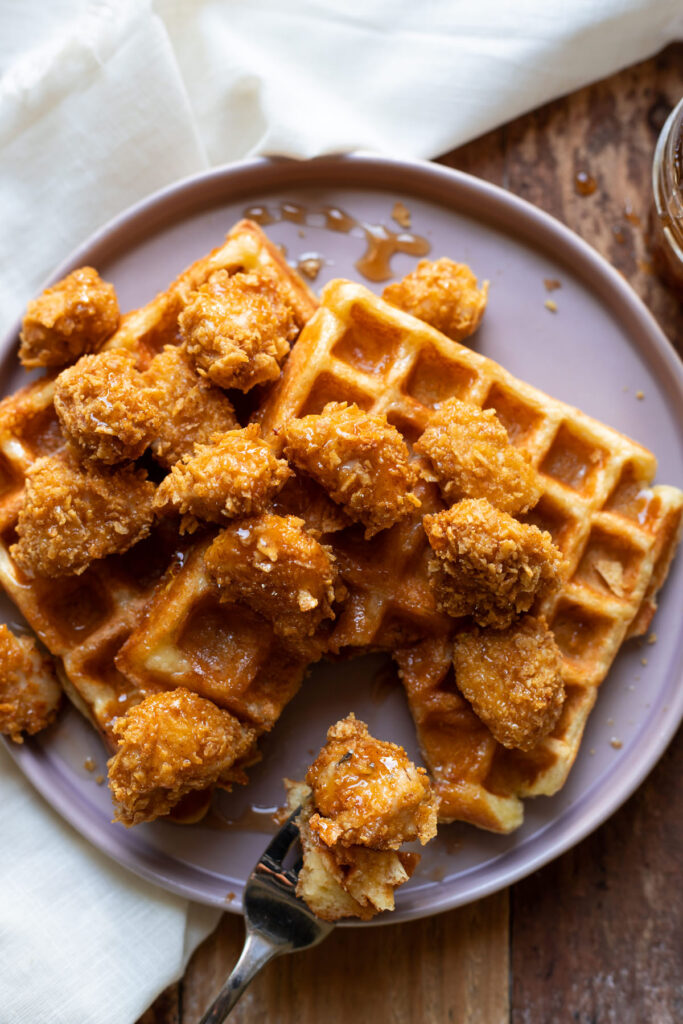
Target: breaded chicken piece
x: 271, y: 564
x: 192, y: 409
x: 341, y: 881
x: 471, y: 455
x: 360, y: 460
x: 76, y: 315
x: 488, y: 565
x: 105, y: 409
x: 303, y: 497
x: 237, y: 329
x: 235, y: 475
x: 73, y: 514
x: 170, y: 744
x: 29, y: 691
x: 367, y: 792
x: 512, y: 679
x: 442, y: 293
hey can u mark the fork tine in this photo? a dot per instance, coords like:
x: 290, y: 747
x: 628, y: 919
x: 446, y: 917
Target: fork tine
x: 280, y: 844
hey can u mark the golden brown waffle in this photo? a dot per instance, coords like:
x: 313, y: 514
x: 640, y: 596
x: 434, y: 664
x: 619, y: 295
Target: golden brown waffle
x: 84, y: 620
x: 221, y: 651
x: 246, y: 248
x: 617, y: 534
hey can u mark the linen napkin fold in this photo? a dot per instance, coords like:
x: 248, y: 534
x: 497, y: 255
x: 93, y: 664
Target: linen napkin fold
x: 102, y: 104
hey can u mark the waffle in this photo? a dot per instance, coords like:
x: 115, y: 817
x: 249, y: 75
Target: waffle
x: 616, y: 532
x: 84, y: 620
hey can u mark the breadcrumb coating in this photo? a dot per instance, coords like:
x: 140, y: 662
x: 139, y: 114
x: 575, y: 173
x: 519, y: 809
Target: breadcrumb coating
x: 472, y: 457
x: 488, y: 565
x: 367, y: 792
x: 272, y: 564
x: 235, y: 475
x: 512, y: 679
x: 360, y: 460
x: 170, y: 744
x: 74, y: 316
x: 75, y: 513
x: 192, y: 408
x: 343, y: 881
x: 29, y: 691
x: 105, y: 409
x: 442, y: 293
x: 237, y: 329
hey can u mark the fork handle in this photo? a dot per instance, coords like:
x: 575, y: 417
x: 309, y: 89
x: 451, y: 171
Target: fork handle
x: 255, y: 955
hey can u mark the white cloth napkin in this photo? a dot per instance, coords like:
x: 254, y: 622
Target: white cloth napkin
x: 103, y: 103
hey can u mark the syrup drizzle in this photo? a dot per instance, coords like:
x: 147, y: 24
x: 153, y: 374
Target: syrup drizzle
x: 381, y: 243
x: 584, y: 184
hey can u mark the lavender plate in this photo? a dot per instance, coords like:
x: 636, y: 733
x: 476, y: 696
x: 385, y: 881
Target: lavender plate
x: 598, y: 351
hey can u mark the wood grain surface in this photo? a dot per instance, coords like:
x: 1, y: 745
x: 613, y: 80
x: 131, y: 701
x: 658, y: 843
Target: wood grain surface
x: 597, y: 936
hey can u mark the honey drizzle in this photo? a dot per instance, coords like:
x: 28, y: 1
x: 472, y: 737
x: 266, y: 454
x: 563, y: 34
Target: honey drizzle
x: 584, y: 183
x: 382, y: 244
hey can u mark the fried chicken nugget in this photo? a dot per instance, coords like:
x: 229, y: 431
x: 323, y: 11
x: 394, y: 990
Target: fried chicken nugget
x: 272, y: 564
x: 105, y: 409
x: 29, y: 692
x: 512, y: 679
x: 192, y: 408
x: 367, y: 792
x: 472, y: 457
x: 73, y: 514
x: 236, y: 474
x: 442, y: 293
x: 170, y: 744
x: 360, y: 460
x: 237, y: 329
x: 487, y: 564
x: 343, y: 881
x: 74, y: 316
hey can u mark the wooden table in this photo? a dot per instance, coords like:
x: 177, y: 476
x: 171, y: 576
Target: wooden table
x: 597, y: 936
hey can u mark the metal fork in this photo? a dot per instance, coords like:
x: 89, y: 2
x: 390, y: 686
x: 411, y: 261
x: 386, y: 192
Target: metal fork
x: 277, y: 921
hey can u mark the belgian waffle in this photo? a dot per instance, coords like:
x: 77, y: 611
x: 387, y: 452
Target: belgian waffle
x: 84, y: 620
x: 617, y: 534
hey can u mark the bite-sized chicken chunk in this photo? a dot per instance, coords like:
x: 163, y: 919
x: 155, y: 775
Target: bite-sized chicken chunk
x: 76, y: 315
x: 73, y: 514
x: 105, y: 409
x: 472, y: 457
x: 344, y: 881
x: 360, y: 460
x: 235, y: 475
x: 170, y: 744
x: 512, y: 679
x: 272, y: 564
x: 442, y: 293
x: 192, y: 409
x: 488, y: 565
x: 368, y: 792
x: 237, y: 329
x: 29, y: 691
x: 303, y: 497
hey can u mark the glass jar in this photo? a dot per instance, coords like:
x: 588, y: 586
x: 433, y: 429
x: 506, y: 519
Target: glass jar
x: 667, y: 187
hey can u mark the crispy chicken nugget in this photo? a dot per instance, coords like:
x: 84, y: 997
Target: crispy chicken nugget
x: 367, y: 792
x: 360, y: 460
x: 344, y: 881
x: 73, y: 514
x: 512, y: 679
x: 29, y: 691
x: 472, y: 457
x: 170, y: 744
x: 235, y: 475
x: 105, y: 409
x: 488, y: 565
x: 237, y: 329
x: 272, y: 564
x: 192, y: 409
x: 442, y: 293
x: 76, y: 315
